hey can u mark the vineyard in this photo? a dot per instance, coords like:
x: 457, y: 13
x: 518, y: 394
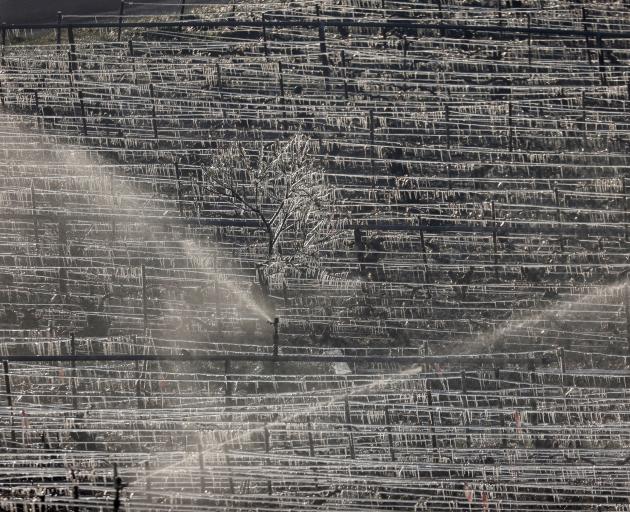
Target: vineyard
x: 343, y: 256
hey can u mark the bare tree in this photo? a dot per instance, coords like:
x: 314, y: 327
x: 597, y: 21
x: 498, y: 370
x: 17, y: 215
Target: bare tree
x: 282, y: 187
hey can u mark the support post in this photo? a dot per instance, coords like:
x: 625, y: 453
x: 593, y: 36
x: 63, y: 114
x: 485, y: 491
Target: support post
x: 281, y: 82
x: 529, y: 39
x: 510, y: 129
x: 600, y: 58
x: 143, y: 281
x: 432, y: 424
x: 59, y: 19
x: 584, y: 142
x: 112, y: 189
x: 61, y: 242
x: 3, y: 61
x: 626, y: 290
x: 264, y: 35
x: 372, y: 149
x: 624, y: 207
x: 8, y: 395
x: 423, y: 247
x: 345, y: 76
x: 118, y: 486
x: 153, y: 115
x: 346, y: 405
x: 138, y: 375
x: 120, y: 18
x: 182, y: 10
x: 495, y: 244
x: 73, y: 50
x: 497, y: 378
x: 464, y: 383
x: 178, y: 189
x: 73, y: 377
x: 276, y: 336
x: 148, y: 483
x: 267, y: 450
x: 587, y: 41
x: 228, y: 463
x: 7, y: 384
x: 35, y: 218
x: 323, y: 55
x: 227, y: 367
x: 220, y: 89
x: 82, y: 108
x: 202, y: 466
x: 311, y: 444
x: 556, y: 194
x: 447, y: 123
x: 390, y: 438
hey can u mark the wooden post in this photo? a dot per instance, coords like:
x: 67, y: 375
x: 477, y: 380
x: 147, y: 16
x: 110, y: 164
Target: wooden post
x: 130, y: 45
x: 178, y: 189
x: 228, y: 463
x: 73, y: 377
x: 276, y: 336
x: 529, y: 39
x: 148, y: 484
x: 264, y: 35
x: 626, y: 289
x: 143, y: 282
x: 495, y: 244
x: 73, y: 50
x: 138, y: 375
x: 463, y: 378
x: 372, y: 149
x: 600, y: 58
x: 390, y: 439
x: 346, y: 405
x: 510, y: 129
x: 441, y: 17
x: 7, y: 384
x: 3, y: 61
x: 323, y: 55
x: 624, y: 206
x: 182, y: 11
x: 59, y: 18
x: 556, y: 194
x: 82, y: 108
x: 112, y: 190
x: 587, y: 41
x: 345, y: 76
x: 61, y: 241
x: 497, y: 377
x: 117, y: 488
x: 427, y: 277
x: 584, y: 141
x: 153, y: 115
x: 281, y: 82
x: 267, y: 450
x: 120, y: 18
x: 227, y: 367
x: 447, y: 122
x: 202, y: 466
x: 311, y: 444
x: 432, y: 424
x: 8, y: 395
x: 35, y: 217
